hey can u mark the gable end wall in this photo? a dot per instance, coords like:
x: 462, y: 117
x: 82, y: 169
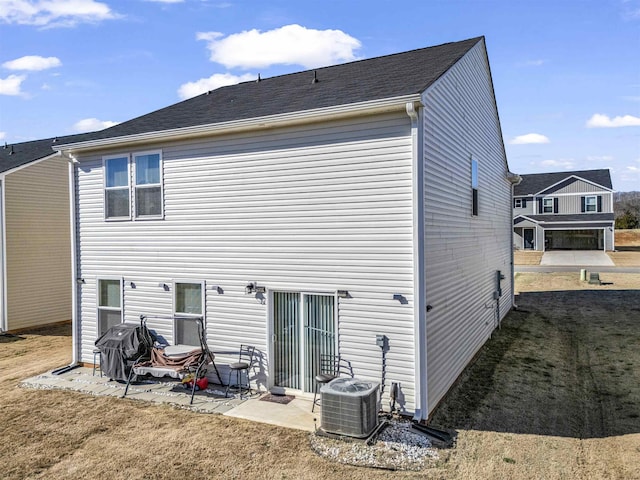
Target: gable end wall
x: 463, y: 252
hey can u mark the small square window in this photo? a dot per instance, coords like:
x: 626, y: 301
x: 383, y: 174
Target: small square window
x: 517, y: 203
x: 547, y: 205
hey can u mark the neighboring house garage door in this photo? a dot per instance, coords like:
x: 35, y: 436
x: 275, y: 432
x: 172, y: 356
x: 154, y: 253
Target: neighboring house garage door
x: 574, y: 239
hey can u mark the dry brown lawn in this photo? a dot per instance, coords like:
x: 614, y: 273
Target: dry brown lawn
x: 554, y: 394
x: 627, y: 238
x: 527, y: 257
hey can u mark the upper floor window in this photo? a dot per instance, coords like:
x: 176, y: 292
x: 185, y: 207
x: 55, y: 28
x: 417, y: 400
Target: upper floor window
x: 517, y: 203
x: 474, y: 187
x: 592, y: 204
x: 116, y: 187
x: 548, y: 205
x: 147, y: 186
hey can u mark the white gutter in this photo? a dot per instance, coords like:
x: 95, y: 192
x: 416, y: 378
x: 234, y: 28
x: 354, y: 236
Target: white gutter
x: 270, y: 121
x: 419, y: 266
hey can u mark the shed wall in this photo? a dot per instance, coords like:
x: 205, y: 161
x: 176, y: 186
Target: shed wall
x: 463, y: 252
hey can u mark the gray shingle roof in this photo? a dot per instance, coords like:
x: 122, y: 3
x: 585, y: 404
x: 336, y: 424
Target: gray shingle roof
x: 18, y: 154
x: 364, y: 80
x: 577, y: 217
x: 536, y: 182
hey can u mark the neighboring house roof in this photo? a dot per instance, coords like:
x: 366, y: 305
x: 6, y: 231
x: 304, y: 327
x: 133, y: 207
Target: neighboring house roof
x: 377, y: 78
x: 18, y: 154
x: 537, y: 182
x: 576, y: 217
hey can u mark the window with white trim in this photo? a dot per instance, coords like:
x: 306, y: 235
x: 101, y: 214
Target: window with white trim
x: 116, y: 187
x: 188, y: 304
x: 517, y: 203
x: 474, y: 187
x: 109, y: 303
x: 143, y: 170
x: 547, y: 205
x: 591, y: 204
x: 148, y: 187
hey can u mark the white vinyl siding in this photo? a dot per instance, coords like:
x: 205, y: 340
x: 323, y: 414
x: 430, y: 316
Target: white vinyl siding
x: 318, y: 208
x: 38, y: 251
x: 463, y: 253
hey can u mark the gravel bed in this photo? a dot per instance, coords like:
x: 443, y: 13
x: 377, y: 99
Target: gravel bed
x: 396, y: 448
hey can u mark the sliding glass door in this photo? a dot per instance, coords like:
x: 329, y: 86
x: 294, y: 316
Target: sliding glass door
x: 304, y: 328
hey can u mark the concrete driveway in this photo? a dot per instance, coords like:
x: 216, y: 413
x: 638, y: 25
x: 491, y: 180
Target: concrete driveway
x: 578, y: 258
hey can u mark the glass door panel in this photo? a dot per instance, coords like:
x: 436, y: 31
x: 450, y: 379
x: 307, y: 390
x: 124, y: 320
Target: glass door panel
x: 304, y: 328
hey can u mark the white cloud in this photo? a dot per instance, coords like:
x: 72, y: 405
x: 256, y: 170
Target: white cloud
x: 91, y: 124
x: 217, y: 80
x: 566, y: 164
x: 529, y: 138
x: 32, y: 63
x: 3, y: 135
x: 288, y: 45
x: 11, y: 84
x: 165, y: 1
x: 603, y: 121
x: 54, y: 13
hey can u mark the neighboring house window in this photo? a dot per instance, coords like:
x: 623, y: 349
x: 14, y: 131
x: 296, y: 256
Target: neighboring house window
x: 549, y: 205
x: 592, y: 204
x: 109, y: 304
x: 188, y: 304
x: 474, y: 187
x: 148, y: 186
x: 517, y: 203
x: 116, y: 188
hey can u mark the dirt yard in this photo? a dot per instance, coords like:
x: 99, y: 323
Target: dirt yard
x: 554, y: 394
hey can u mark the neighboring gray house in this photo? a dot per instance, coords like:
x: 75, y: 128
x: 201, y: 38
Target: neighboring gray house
x: 564, y: 210
x: 363, y: 199
x: 35, y: 260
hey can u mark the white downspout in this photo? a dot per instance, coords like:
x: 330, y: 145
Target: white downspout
x: 419, y: 266
x: 514, y: 179
x: 75, y: 337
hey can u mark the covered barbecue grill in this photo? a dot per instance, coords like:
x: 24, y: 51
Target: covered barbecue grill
x: 121, y: 346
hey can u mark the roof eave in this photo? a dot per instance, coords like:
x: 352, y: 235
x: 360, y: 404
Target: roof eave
x: 270, y: 121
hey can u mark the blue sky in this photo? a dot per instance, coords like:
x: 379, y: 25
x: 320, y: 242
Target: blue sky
x: 566, y: 73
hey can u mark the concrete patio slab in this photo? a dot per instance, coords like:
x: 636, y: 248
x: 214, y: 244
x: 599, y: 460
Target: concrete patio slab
x: 578, y: 258
x: 297, y: 414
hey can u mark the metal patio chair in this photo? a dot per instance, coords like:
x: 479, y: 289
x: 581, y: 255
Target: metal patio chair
x: 244, y: 363
x: 331, y: 367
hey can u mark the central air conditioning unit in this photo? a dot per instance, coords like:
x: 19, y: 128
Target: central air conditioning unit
x: 349, y: 407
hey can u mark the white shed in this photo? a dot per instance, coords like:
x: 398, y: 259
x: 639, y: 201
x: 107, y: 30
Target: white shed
x: 364, y: 199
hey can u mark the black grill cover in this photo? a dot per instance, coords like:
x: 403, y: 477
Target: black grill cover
x: 120, y: 347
